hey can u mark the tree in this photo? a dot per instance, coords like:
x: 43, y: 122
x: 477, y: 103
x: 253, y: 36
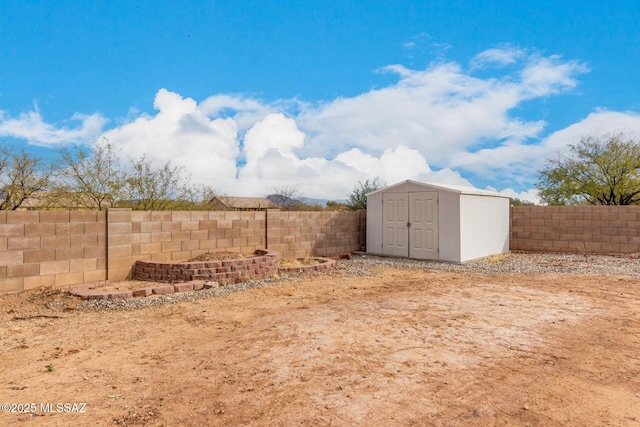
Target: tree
x: 196, y: 197
x: 90, y: 180
x: 151, y: 189
x: 600, y: 170
x: 514, y: 201
x: 286, y: 197
x: 333, y: 205
x: 358, y: 197
x: 96, y: 180
x: 22, y: 177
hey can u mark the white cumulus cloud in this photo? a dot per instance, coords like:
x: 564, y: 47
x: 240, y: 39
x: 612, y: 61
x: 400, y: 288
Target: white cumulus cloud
x: 499, y: 56
x: 179, y: 132
x: 31, y: 127
x: 437, y: 124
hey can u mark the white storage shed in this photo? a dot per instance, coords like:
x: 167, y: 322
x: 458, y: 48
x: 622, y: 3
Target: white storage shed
x: 437, y: 222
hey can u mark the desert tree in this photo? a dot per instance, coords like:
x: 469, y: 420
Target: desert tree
x: 23, y: 178
x: 514, y: 201
x: 89, y: 179
x: 357, y: 199
x: 598, y: 170
x: 286, y: 197
x: 195, y: 196
x: 151, y: 188
x: 333, y: 205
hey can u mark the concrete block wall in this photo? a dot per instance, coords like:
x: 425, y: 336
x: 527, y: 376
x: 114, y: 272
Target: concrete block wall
x: 43, y: 248
x: 64, y: 248
x: 588, y: 229
x: 169, y: 236
x: 299, y: 234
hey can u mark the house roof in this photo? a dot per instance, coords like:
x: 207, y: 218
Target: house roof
x: 246, y: 202
x: 460, y: 189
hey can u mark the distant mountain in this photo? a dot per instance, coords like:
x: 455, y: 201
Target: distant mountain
x: 279, y: 199
x: 321, y: 202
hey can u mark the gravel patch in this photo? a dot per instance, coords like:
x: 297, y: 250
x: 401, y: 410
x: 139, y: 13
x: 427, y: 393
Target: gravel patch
x: 365, y: 265
x: 520, y: 263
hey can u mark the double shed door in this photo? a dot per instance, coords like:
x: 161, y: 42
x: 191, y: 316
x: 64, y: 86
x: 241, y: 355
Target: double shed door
x: 410, y: 222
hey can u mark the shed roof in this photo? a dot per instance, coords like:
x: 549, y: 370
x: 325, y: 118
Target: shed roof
x: 460, y: 189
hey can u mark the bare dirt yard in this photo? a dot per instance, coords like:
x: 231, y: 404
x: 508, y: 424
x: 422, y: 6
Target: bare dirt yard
x: 376, y: 345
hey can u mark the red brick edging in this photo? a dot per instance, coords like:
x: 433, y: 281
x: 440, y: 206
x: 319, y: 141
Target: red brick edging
x: 258, y: 266
x: 325, y: 265
x: 87, y: 291
x: 194, y: 276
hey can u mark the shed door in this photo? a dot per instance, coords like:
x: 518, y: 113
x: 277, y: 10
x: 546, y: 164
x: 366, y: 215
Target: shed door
x: 423, y: 225
x: 395, y: 216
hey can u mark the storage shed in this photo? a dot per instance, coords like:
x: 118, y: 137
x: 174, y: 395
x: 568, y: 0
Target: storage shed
x: 437, y: 222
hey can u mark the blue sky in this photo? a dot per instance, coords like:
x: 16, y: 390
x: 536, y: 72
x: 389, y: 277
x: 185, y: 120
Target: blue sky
x: 250, y: 95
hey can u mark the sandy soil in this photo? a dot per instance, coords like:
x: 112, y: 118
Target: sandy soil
x: 401, y: 347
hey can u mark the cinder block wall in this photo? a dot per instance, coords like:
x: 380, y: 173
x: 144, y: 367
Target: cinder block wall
x: 180, y: 235
x: 589, y: 229
x: 40, y: 248
x: 296, y: 234
x: 65, y: 248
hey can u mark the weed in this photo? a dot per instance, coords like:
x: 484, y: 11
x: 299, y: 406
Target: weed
x: 499, y: 257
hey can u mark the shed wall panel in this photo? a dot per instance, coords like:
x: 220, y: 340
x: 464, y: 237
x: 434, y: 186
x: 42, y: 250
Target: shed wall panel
x: 484, y: 226
x: 374, y: 223
x: 449, y: 226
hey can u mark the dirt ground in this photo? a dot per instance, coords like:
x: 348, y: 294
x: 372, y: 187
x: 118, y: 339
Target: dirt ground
x: 399, y: 347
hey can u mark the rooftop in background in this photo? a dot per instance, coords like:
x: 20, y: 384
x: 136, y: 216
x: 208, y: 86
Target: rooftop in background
x: 243, y: 203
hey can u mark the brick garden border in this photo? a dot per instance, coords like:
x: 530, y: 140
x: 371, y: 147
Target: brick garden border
x: 325, y: 264
x: 262, y: 264
x: 87, y: 291
x: 194, y: 276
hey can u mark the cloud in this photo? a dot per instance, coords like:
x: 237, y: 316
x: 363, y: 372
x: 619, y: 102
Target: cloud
x: 440, y: 124
x: 499, y: 56
x: 432, y: 111
x: 601, y: 121
x: 423, y: 45
x: 275, y: 132
x: 441, y: 110
x: 518, y: 161
x: 527, y: 196
x: 32, y: 128
x: 179, y: 132
x: 271, y: 161
x: 395, y: 164
x: 245, y: 111
x: 545, y: 76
